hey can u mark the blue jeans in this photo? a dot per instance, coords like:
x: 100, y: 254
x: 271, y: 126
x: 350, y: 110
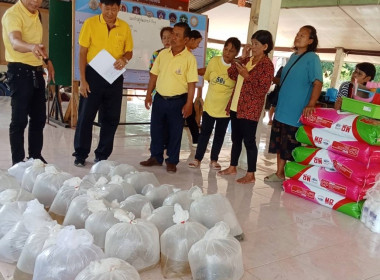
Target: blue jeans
x: 206, y: 130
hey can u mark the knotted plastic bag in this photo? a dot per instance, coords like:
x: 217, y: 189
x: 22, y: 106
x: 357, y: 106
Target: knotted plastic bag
x: 10, y: 214
x: 135, y: 241
x: 7, y: 181
x: 73, y: 251
x: 121, y: 170
x: 182, y: 197
x: 103, y: 167
x: 31, y: 174
x: 176, y: 242
x: 135, y: 204
x: 117, y: 189
x: 11, y: 195
x: 18, y: 169
x: 157, y: 195
x: 65, y: 195
x: 78, y: 211
x: 139, y: 180
x: 210, y: 209
x: 101, y: 220
x: 48, y: 183
x: 162, y: 217
x: 108, y: 269
x: 217, y: 256
x: 91, y: 179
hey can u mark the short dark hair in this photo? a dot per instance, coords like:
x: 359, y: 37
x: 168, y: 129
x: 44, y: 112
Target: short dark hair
x: 313, y: 35
x: 195, y: 34
x: 264, y: 37
x: 186, y: 28
x: 235, y: 42
x: 166, y: 28
x: 110, y: 2
x: 368, y: 68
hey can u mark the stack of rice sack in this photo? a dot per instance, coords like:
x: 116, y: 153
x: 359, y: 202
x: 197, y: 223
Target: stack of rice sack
x: 340, y: 162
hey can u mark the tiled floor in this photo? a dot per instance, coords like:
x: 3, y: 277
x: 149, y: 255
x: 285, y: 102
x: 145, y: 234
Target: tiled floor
x: 286, y: 237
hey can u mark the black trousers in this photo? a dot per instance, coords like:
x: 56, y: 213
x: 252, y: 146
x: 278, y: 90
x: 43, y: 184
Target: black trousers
x: 208, y: 123
x: 243, y: 130
x: 28, y: 101
x: 193, y: 126
x: 105, y: 98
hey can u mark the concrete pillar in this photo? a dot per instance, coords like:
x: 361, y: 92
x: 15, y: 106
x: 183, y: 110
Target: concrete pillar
x: 264, y: 16
x: 338, y: 63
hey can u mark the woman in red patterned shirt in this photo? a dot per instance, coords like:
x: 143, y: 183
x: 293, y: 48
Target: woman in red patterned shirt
x: 253, y: 75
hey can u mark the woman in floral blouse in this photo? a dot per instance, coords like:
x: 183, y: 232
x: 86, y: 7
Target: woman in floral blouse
x: 253, y: 75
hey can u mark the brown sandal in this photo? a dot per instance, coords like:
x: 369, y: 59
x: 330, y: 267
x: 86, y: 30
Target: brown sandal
x: 194, y: 164
x: 215, y: 165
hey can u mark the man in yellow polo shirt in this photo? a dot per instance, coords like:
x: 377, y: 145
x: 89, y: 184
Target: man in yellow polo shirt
x: 104, y: 31
x: 24, y: 52
x: 173, y: 75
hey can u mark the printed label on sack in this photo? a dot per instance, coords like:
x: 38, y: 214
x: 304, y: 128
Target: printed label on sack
x: 302, y: 192
x: 334, y: 187
x: 343, y: 169
x: 346, y: 149
x: 370, y: 121
x: 320, y: 121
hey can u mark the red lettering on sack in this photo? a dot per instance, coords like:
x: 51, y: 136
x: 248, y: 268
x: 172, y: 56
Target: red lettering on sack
x: 302, y: 192
x: 318, y: 140
x: 320, y: 121
x: 346, y: 149
x: 306, y: 177
x: 337, y: 188
x: 342, y: 169
x: 329, y: 201
x: 346, y: 128
x: 317, y: 160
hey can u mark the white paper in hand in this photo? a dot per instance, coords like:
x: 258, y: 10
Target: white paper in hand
x: 103, y: 64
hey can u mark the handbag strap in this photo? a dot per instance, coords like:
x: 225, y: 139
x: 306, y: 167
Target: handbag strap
x: 292, y: 67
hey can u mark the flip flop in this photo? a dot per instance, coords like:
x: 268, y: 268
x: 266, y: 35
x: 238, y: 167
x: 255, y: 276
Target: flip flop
x: 215, y: 165
x: 273, y: 178
x: 194, y: 164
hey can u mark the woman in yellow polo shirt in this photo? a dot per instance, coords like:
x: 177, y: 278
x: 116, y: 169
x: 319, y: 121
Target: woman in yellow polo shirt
x: 218, y: 94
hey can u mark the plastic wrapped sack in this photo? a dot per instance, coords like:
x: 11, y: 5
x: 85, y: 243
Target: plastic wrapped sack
x: 100, y: 221
x: 90, y: 180
x: 108, y: 269
x: 10, y: 214
x: 12, y: 195
x: 73, y: 251
x: 122, y: 170
x: 139, y: 180
x: 7, y: 181
x: 324, y: 178
x: 323, y: 197
x: 31, y: 174
x: 162, y: 217
x: 345, y: 124
x: 116, y: 189
x: 18, y: 169
x: 338, y: 144
x: 34, y: 245
x: 210, y: 209
x: 217, y: 256
x: 135, y: 204
x: 78, y: 211
x: 12, y: 243
x: 176, y: 242
x: 103, y: 167
x: 157, y: 195
x: 135, y: 241
x: 184, y: 198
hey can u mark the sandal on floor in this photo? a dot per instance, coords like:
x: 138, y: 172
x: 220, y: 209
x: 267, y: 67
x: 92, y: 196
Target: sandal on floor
x: 273, y: 178
x: 194, y: 164
x: 215, y: 165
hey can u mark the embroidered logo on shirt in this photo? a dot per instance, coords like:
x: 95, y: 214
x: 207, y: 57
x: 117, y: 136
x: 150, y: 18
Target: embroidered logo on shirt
x: 178, y: 71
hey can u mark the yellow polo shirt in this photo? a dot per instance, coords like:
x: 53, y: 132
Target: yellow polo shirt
x: 220, y: 87
x: 18, y: 18
x: 95, y: 36
x: 239, y: 84
x: 174, y: 72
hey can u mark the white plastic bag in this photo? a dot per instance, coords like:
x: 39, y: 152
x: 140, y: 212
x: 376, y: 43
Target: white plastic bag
x: 162, y: 217
x: 122, y: 170
x: 103, y: 167
x: 100, y: 221
x: 176, y: 242
x: 73, y: 251
x: 108, y: 269
x: 116, y: 189
x: 157, y: 195
x: 65, y: 195
x: 18, y: 169
x: 78, y: 212
x: 7, y: 181
x: 91, y: 179
x: 217, y: 256
x: 48, y: 183
x: 31, y: 174
x: 135, y: 204
x: 139, y: 180
x: 11, y: 195
x: 210, y: 209
x: 12, y: 243
x: 34, y: 245
x: 183, y: 197
x: 135, y: 241
x: 10, y: 214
